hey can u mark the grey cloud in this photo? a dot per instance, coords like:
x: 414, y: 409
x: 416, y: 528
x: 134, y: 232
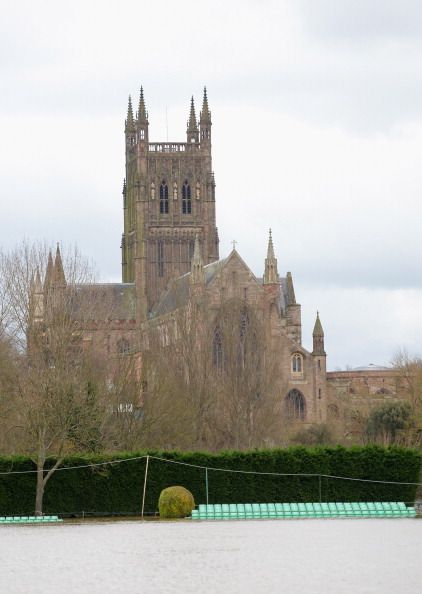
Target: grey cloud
x: 348, y: 20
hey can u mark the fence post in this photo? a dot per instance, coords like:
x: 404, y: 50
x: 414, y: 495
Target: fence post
x: 320, y: 488
x: 206, y: 482
x: 145, y: 488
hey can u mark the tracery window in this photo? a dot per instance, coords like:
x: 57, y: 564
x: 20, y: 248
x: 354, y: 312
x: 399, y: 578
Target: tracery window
x: 217, y: 350
x: 164, y: 198
x: 295, y: 405
x: 297, y: 363
x: 186, y: 198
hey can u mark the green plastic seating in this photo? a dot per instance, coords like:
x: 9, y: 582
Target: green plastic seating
x: 249, y: 511
x: 28, y: 519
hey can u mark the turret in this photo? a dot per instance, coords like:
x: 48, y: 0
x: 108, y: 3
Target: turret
x: 318, y: 338
x: 205, y: 123
x: 192, y: 131
x: 142, y: 121
x: 271, y: 273
x: 320, y: 369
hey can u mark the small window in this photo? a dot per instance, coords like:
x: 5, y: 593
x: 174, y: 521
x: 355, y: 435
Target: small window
x: 164, y: 198
x: 217, y: 350
x: 297, y: 363
x: 186, y: 198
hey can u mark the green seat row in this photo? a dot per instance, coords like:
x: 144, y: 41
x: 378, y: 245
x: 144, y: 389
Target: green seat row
x: 302, y: 510
x: 28, y: 519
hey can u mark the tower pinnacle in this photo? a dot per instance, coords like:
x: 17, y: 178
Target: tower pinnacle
x: 142, y: 113
x: 192, y: 130
x: 130, y: 127
x: 271, y: 273
x: 205, y: 112
x: 318, y: 337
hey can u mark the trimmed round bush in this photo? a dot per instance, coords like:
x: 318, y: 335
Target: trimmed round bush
x: 175, y: 502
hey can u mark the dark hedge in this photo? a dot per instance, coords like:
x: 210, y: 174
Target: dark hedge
x: 118, y: 488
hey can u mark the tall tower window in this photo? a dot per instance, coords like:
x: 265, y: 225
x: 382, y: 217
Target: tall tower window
x: 217, y: 350
x: 160, y: 257
x: 164, y: 198
x: 295, y: 406
x: 297, y: 363
x: 186, y: 198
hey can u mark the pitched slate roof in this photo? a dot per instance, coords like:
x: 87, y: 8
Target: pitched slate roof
x: 107, y: 300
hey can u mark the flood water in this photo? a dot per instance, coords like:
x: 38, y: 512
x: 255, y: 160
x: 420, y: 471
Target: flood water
x: 356, y: 556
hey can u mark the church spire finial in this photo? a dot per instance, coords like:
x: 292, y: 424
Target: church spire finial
x: 58, y: 275
x: 192, y: 123
x: 205, y: 111
x: 142, y: 112
x: 129, y: 119
x: 192, y: 129
x: 271, y: 272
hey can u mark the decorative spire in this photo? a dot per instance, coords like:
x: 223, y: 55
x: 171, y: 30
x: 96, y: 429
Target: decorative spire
x: 205, y: 112
x: 271, y: 273
x: 130, y: 127
x: 197, y: 265
x: 49, y: 271
x: 192, y: 123
x: 318, y: 338
x: 142, y: 113
x: 291, y: 298
x: 58, y: 274
x: 318, y: 331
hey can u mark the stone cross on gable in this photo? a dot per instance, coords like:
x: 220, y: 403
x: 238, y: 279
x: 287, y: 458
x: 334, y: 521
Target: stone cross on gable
x: 234, y: 244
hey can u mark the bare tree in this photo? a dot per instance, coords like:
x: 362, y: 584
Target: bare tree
x: 57, y: 403
x: 213, y: 373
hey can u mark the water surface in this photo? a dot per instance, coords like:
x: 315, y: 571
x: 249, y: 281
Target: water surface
x: 377, y: 556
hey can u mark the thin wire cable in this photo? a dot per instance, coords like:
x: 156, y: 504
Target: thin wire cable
x: 108, y: 462
x: 346, y: 478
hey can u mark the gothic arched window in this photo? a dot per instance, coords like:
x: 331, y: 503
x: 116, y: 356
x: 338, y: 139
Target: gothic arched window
x: 186, y: 198
x: 164, y: 198
x: 295, y: 405
x: 297, y: 363
x: 217, y: 350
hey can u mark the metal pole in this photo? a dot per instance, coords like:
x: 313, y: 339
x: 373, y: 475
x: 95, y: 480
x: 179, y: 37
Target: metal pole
x: 320, y: 488
x: 206, y: 482
x: 145, y: 488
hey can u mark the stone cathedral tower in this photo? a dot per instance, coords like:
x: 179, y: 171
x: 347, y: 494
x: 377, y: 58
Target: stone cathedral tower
x: 168, y: 201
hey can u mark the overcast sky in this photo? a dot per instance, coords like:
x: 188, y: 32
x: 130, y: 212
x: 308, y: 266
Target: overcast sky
x: 317, y: 133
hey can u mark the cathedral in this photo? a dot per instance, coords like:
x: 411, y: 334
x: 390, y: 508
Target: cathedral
x: 170, y: 259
